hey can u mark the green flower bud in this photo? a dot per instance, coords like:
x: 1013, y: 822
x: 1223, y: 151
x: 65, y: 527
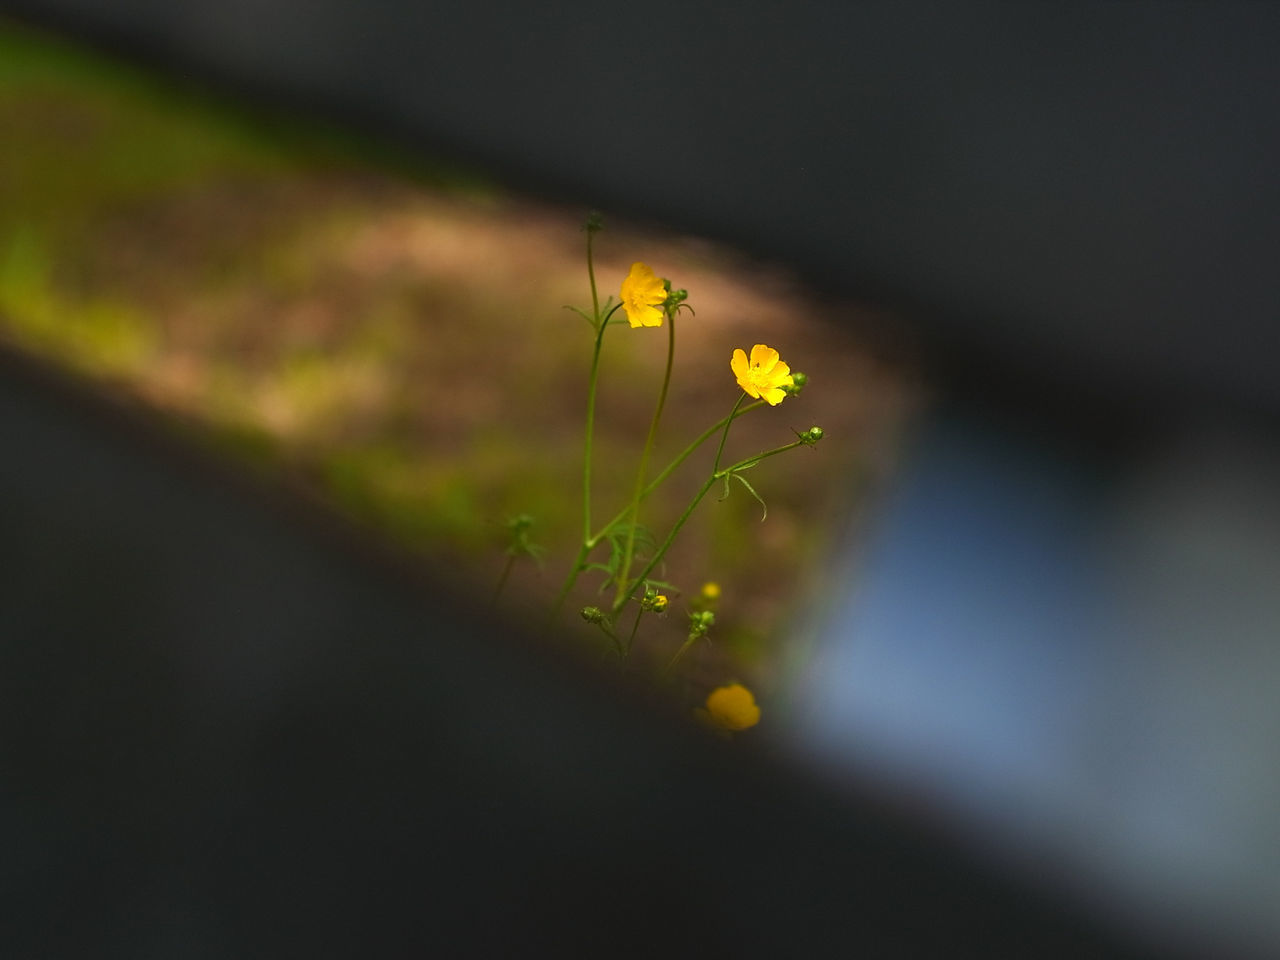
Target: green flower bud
x: 595, y: 222
x: 798, y: 380
x: 593, y: 614
x: 811, y: 436
x: 700, y: 621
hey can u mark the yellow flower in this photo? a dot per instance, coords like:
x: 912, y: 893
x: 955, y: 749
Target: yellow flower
x: 711, y: 590
x: 764, y: 376
x: 731, y: 708
x: 643, y: 294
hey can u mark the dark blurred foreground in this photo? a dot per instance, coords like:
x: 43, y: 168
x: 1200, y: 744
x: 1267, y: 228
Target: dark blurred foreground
x: 232, y: 729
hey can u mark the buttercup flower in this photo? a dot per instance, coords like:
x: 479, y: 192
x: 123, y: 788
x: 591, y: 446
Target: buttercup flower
x: 764, y: 376
x: 731, y: 708
x: 643, y: 294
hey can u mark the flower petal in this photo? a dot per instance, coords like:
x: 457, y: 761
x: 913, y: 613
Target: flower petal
x: 774, y: 395
x: 780, y: 375
x: 733, y: 707
x: 763, y: 357
x: 739, y: 364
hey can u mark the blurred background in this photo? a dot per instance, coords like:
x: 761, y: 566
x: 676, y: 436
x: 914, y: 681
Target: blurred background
x: 1024, y: 590
x: 391, y: 338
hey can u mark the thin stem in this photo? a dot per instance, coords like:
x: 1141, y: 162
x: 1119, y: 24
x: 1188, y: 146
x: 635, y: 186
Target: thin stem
x: 502, y: 580
x: 628, y: 551
x: 716, y: 474
x: 593, y: 541
x: 658, y: 554
x: 601, y: 324
x: 634, y: 627
x: 684, y: 648
x: 567, y: 586
x: 666, y: 544
x: 590, y: 432
x: 591, y: 275
x: 671, y: 467
x: 752, y: 461
x: 725, y: 436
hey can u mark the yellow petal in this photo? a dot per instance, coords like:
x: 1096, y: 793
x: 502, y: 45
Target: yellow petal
x: 763, y: 357
x: 733, y: 707
x: 773, y: 395
x: 655, y: 291
x: 650, y: 317
x: 780, y: 375
x: 639, y: 279
x: 739, y: 364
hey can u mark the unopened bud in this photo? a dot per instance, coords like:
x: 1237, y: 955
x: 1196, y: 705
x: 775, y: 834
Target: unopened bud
x: 798, y: 380
x: 700, y: 622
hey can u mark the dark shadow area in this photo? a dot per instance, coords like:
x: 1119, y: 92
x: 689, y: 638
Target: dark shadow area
x: 231, y: 727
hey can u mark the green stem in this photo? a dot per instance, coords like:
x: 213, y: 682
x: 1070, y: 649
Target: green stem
x: 684, y: 648
x: 725, y: 436
x: 601, y: 324
x: 752, y: 461
x: 670, y: 468
x: 590, y: 432
x: 593, y: 541
x: 716, y: 474
x: 567, y: 586
x: 502, y: 580
x: 634, y: 627
x: 586, y: 481
x: 629, y: 550
x: 591, y: 275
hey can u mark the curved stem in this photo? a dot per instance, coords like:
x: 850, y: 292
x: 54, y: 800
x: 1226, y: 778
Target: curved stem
x: 725, y: 436
x: 590, y: 432
x: 591, y: 275
x: 684, y: 648
x: 567, y: 586
x: 752, y: 461
x: 601, y: 324
x: 628, y: 551
x: 666, y: 544
x: 634, y: 627
x: 502, y: 580
x: 671, y: 467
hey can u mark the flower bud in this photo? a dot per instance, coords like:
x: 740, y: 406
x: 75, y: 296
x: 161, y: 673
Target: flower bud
x: 593, y: 614
x: 595, y: 222
x: 798, y: 380
x: 811, y: 436
x: 700, y: 622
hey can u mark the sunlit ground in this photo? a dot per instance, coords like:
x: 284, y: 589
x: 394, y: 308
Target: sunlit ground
x: 391, y: 338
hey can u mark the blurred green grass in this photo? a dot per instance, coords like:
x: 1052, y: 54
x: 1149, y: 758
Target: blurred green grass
x: 390, y: 335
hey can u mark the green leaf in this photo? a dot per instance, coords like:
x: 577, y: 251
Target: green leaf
x: 752, y: 490
x: 581, y: 314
